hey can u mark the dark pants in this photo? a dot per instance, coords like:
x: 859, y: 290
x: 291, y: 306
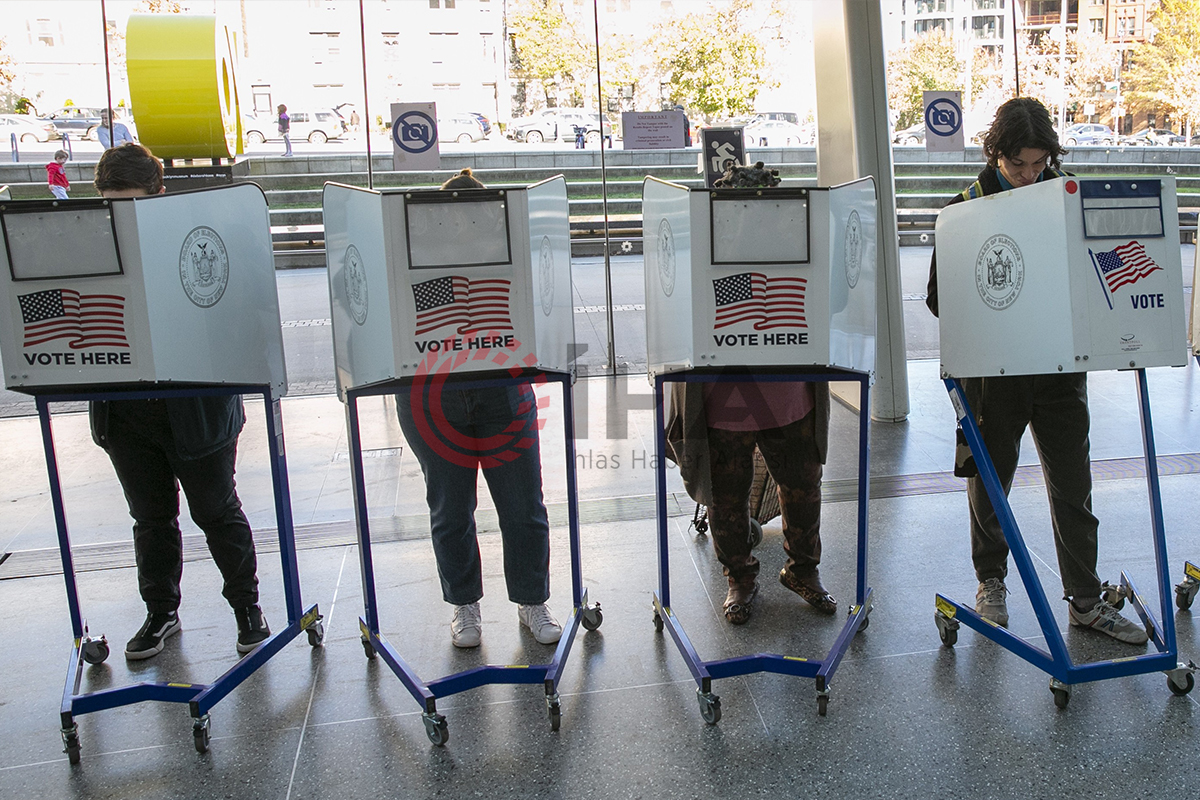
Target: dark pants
x: 1055, y: 408
x: 792, y: 459
x: 143, y: 453
x: 496, y: 429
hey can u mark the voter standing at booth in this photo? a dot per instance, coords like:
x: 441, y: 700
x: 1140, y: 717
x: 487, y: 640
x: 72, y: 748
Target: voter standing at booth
x: 1022, y: 148
x: 156, y: 446
x: 712, y: 430
x: 514, y: 479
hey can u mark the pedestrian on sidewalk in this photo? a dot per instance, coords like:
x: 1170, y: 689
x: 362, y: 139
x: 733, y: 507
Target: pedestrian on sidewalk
x: 56, y: 177
x: 285, y: 128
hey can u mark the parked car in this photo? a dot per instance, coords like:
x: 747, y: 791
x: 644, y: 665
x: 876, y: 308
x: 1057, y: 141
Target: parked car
x: 317, y: 126
x: 27, y: 129
x: 1088, y: 133
x: 1195, y: 142
x: 557, y: 125
x: 1154, y: 137
x: 80, y: 122
x: 484, y: 121
x: 775, y: 133
x: 783, y: 116
x: 461, y: 128
x: 913, y: 135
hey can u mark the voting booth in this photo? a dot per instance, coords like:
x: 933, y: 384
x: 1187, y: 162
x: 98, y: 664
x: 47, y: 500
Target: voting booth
x: 760, y: 276
x: 163, y: 289
x: 772, y: 284
x: 467, y: 288
x: 153, y: 297
x: 472, y: 280
x: 1067, y: 275
x: 1070, y: 275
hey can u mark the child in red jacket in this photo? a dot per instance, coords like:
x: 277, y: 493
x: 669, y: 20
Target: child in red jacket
x: 56, y: 177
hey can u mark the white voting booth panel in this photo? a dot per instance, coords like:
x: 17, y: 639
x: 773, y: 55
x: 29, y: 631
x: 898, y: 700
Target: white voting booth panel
x: 167, y: 288
x: 760, y: 277
x: 1195, y: 296
x: 1066, y: 275
x: 435, y: 282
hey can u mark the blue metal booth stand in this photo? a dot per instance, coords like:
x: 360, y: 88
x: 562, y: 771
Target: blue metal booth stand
x: 821, y: 669
x: 1086, y: 276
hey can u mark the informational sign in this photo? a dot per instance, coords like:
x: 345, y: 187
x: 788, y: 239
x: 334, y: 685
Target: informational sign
x: 719, y: 147
x: 658, y: 130
x: 943, y: 122
x: 415, y: 137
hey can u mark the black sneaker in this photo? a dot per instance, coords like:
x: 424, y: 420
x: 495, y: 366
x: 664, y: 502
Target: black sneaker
x: 252, y: 628
x: 148, y: 641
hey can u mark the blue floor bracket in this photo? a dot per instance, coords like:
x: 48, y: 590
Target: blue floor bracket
x: 583, y: 612
x: 86, y: 649
x: 821, y: 670
x: 1054, y: 658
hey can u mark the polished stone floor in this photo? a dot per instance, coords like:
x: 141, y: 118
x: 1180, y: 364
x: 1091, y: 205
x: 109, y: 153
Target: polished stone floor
x: 906, y: 717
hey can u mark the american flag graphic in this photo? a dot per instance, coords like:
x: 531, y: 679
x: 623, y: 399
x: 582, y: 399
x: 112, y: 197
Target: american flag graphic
x: 472, y: 305
x: 1125, y: 265
x: 86, y: 320
x: 767, y: 302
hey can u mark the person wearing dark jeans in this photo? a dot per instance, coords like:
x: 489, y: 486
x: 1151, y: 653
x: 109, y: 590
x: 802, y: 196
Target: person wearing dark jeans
x: 158, y: 446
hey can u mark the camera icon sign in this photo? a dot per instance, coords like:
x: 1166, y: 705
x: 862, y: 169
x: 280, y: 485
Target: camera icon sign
x: 943, y: 117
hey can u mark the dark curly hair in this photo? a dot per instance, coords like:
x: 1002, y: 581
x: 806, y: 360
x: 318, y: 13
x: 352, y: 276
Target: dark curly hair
x: 130, y: 166
x: 1021, y: 122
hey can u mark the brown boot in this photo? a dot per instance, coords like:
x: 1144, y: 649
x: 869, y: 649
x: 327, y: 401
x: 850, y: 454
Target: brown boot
x: 740, y: 600
x: 809, y: 587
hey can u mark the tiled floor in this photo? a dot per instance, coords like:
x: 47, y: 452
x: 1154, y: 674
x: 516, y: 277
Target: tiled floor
x: 907, y: 717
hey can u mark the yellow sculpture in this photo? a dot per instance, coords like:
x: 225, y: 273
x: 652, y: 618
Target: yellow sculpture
x: 182, y: 85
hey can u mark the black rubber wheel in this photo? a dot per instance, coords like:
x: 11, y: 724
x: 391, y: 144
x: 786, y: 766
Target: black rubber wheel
x: 949, y: 636
x: 533, y: 137
x: 1061, y: 697
x: 555, y: 711
x: 254, y: 137
x: 368, y: 648
x: 1189, y: 683
x: 866, y: 623
x: 1114, y: 598
x: 200, y: 736
x: 822, y: 704
x: 438, y: 732
x: 317, y: 137
x: 72, y: 749
x: 592, y: 619
x: 756, y: 533
x: 710, y: 708
x: 316, y: 634
x: 1183, y: 598
x: 95, y: 651
x: 658, y: 623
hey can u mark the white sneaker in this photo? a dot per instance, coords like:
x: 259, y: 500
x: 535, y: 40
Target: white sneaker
x: 467, y: 626
x: 1106, y: 619
x: 990, y: 601
x: 541, y: 623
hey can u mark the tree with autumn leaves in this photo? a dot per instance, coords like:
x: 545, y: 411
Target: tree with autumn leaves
x: 1164, y: 74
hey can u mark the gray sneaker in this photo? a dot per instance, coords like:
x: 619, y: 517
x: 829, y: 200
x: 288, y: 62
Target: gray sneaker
x: 990, y: 603
x: 541, y: 623
x: 466, y: 629
x: 1106, y: 619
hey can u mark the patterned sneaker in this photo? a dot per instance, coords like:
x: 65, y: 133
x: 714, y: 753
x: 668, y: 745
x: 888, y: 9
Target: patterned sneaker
x: 466, y: 628
x: 253, y: 629
x: 990, y: 603
x: 1106, y: 619
x: 148, y: 641
x: 541, y: 622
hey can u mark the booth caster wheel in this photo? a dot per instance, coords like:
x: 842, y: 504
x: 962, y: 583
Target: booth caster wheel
x: 756, y: 533
x: 592, y: 617
x: 436, y: 728
x: 710, y: 707
x: 368, y: 648
x: 865, y: 622
x: 1114, y: 595
x: 1182, y: 679
x: 1062, y: 692
x: 658, y: 622
x: 200, y: 733
x: 316, y: 634
x: 554, y: 711
x: 822, y: 703
x: 1185, y: 593
x: 70, y: 737
x: 95, y: 651
x: 947, y: 628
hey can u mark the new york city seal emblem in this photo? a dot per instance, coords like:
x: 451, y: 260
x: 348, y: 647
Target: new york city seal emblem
x: 854, y: 248
x: 354, y: 275
x: 546, y: 275
x: 666, y: 257
x: 999, y: 272
x: 203, y: 267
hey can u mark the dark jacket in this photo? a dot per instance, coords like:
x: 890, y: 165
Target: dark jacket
x: 987, y: 183
x: 687, y: 435
x: 200, y: 426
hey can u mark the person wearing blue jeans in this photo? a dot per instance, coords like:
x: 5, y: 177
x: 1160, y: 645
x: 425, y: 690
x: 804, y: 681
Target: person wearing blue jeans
x: 453, y: 433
